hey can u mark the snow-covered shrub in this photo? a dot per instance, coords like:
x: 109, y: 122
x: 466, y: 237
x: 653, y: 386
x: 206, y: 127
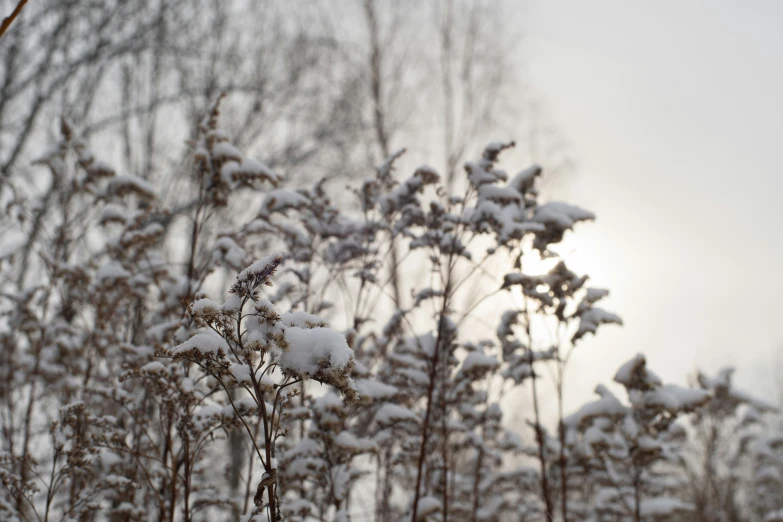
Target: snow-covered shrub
x: 627, y: 453
x: 167, y: 364
x: 726, y: 433
x: 766, y: 484
x: 149, y: 380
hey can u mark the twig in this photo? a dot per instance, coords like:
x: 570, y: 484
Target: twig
x: 8, y: 20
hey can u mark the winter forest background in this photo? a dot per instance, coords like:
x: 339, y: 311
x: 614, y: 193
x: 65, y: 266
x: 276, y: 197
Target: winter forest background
x: 283, y: 261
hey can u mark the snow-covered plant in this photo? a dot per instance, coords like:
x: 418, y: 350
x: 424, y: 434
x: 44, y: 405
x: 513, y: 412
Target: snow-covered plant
x: 563, y: 305
x: 725, y: 431
x: 245, y: 344
x: 485, y: 484
x: 163, y: 365
x: 324, y: 460
x: 64, y: 336
x: 628, y: 453
x: 507, y: 212
x: 116, y: 431
x: 417, y: 414
x: 255, y: 355
x: 766, y: 490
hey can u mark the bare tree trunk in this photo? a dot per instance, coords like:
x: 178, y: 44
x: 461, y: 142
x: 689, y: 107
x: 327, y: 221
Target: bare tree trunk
x: 380, y: 125
x: 446, y: 49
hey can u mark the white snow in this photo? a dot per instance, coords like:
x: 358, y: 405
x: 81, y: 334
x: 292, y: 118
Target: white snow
x: 113, y: 212
x: 205, y: 305
x: 758, y: 404
x: 499, y: 194
x: 301, y: 319
x: 675, y: 398
x: 256, y: 167
x: 153, y: 367
x: 100, y: 168
x: 607, y: 406
x: 310, y: 349
x: 774, y: 516
x: 225, y: 151
x: 207, y: 342
x: 281, y: 199
x: 427, y: 506
x: 523, y: 181
x: 390, y: 413
x: 231, y: 253
x: 112, y: 271
x: 626, y: 372
x: 240, y: 372
x: 592, y: 318
x: 661, y: 506
x: 768, y: 474
x: 232, y: 304
x: 480, y: 361
x: 128, y: 182
x: 347, y: 440
x: 376, y: 390
x: 260, y: 265
x: 561, y: 215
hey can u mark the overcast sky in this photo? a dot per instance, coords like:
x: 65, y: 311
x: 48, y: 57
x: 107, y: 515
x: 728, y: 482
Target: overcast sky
x: 675, y: 112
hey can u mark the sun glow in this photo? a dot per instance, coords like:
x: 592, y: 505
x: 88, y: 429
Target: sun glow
x: 533, y: 264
